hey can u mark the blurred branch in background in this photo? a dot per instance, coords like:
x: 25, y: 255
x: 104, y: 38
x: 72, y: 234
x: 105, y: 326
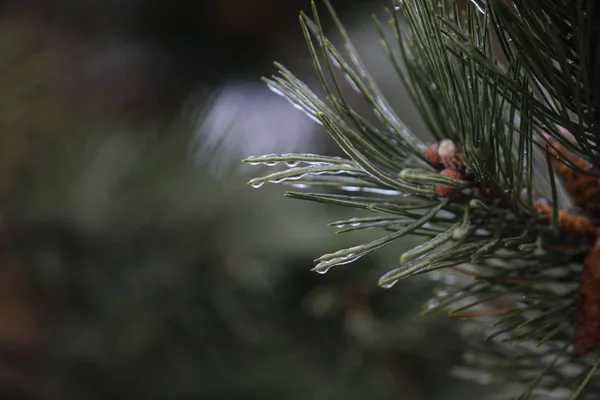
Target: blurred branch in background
x: 131, y: 264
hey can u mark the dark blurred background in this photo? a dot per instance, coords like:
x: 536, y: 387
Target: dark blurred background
x: 135, y: 261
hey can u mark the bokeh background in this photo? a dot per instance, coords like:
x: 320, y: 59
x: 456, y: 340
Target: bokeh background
x: 137, y: 263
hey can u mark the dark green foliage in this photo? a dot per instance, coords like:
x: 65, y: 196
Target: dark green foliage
x: 139, y: 275
x: 161, y: 287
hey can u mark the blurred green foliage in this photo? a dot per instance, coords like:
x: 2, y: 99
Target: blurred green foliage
x: 158, y: 281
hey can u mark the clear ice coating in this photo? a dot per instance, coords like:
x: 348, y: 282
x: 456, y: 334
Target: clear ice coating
x: 324, y: 266
x: 296, y: 102
x: 386, y: 276
x: 352, y: 84
x: 310, y: 114
x: 275, y: 90
x: 333, y: 60
x: 296, y: 159
x: 290, y: 175
x: 387, y: 192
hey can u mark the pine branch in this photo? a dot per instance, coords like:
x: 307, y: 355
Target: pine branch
x: 496, y: 209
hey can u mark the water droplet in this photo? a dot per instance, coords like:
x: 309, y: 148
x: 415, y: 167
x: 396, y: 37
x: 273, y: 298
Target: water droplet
x: 389, y: 284
x: 386, y: 276
x: 256, y: 184
x: 271, y: 163
x: 292, y: 164
x: 322, y: 271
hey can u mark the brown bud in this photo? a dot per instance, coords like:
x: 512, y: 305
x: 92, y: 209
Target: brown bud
x: 448, y: 191
x: 433, y: 156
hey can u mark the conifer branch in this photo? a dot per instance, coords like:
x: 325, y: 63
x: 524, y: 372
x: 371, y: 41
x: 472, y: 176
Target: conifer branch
x: 496, y: 217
